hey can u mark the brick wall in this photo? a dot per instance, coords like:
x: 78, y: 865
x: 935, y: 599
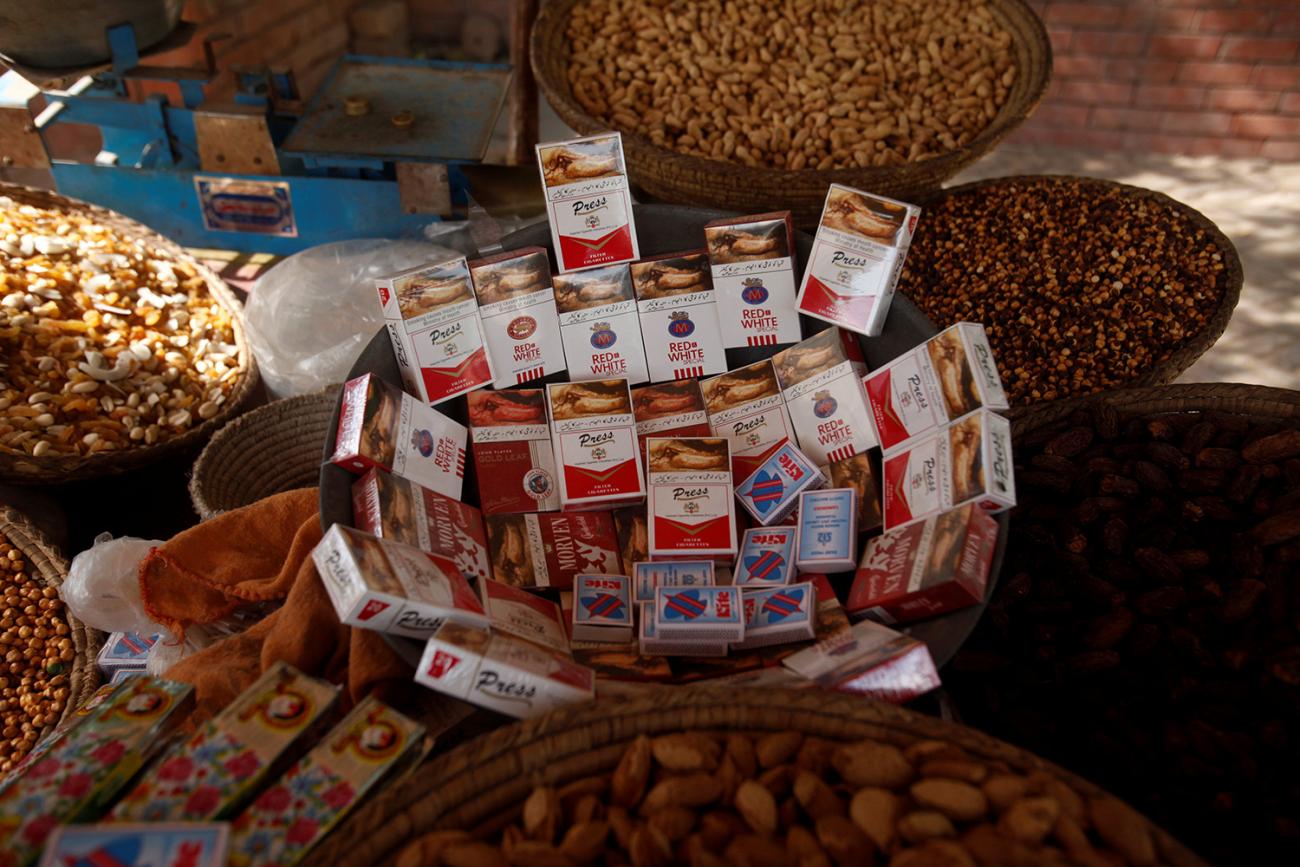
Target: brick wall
x: 1172, y: 76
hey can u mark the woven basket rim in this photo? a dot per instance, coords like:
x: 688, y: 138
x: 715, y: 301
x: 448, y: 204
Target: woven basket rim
x: 25, y: 469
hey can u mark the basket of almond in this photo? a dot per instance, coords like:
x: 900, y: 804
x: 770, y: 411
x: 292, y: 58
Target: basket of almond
x: 712, y: 776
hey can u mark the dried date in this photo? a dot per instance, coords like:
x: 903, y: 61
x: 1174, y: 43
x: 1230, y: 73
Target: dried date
x: 1158, y: 565
x: 1071, y: 443
x: 1118, y: 486
x: 1217, y: 459
x: 1279, y: 446
x: 1279, y: 528
x: 1199, y: 436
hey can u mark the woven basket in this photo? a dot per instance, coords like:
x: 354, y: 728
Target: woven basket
x: 271, y: 449
x: 481, y: 785
x: 62, y: 468
x: 686, y: 179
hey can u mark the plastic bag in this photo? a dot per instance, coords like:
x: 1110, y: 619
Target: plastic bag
x: 103, y: 586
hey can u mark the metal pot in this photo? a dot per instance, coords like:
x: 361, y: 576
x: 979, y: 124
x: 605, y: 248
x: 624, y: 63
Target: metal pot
x: 67, y: 33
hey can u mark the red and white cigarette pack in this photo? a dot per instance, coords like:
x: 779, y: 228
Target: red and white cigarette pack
x: 670, y: 409
x: 752, y: 261
x: 550, y: 549
x: 433, y: 321
x: 588, y: 202
x: 513, y: 456
x: 524, y: 615
x: 679, y: 316
x: 599, y: 325
x: 868, y: 659
x: 968, y: 461
x: 690, y: 505
x: 381, y: 426
x: 593, y: 432
x: 821, y: 380
x: 746, y: 407
x: 948, y: 376
x: 857, y: 257
x: 925, y: 569
x: 516, y: 304
x: 860, y: 474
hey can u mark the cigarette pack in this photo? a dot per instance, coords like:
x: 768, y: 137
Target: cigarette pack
x: 161, y: 844
x: 599, y: 326
x: 766, y: 557
x: 857, y: 256
x: 602, y: 609
x: 86, y: 769
x: 652, y: 643
x: 389, y: 587
x: 524, y: 615
x: 679, y: 316
x: 828, y: 531
x: 513, y: 457
x: 633, y: 537
x: 868, y: 659
x: 747, y: 408
x: 213, y: 773
x: 593, y: 433
x: 125, y: 650
x: 778, y: 615
x: 821, y: 380
x: 400, y: 510
x: 588, y: 203
x: 433, y: 321
x: 752, y: 262
x: 670, y: 409
x: 969, y: 461
x: 693, y: 573
x: 701, y: 613
x: 948, y: 376
x: 772, y: 491
x: 380, y: 426
x: 516, y: 304
x: 690, y: 505
x: 290, y: 817
x: 550, y: 549
x: 860, y: 474
x: 932, y: 567
x: 501, y: 672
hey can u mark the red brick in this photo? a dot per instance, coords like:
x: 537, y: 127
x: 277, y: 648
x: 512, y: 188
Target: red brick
x: 1278, y: 77
x: 1216, y: 72
x: 1089, y: 15
x: 1176, y: 20
x: 1287, y: 22
x: 1138, y: 16
x: 1074, y: 66
x: 1196, y: 122
x: 1169, y: 96
x: 1266, y: 126
x: 1150, y: 72
x: 1103, y: 117
x: 1185, y: 47
x: 1242, y: 99
x: 1253, y: 48
x: 1095, y: 139
x: 1290, y: 103
x: 1062, y: 115
x: 1240, y: 148
x: 1062, y: 38
x: 1097, y: 92
x: 1108, y: 44
x: 1283, y: 151
x: 1235, y: 21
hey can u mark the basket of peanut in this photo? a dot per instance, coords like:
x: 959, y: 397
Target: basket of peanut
x: 117, y: 348
x: 751, y: 107
x: 712, y: 776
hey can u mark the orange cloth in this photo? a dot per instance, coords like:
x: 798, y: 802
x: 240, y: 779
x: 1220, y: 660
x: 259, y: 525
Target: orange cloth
x: 260, y: 553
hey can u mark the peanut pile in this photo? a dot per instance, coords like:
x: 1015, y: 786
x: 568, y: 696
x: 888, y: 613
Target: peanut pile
x: 105, y: 343
x: 783, y: 799
x: 800, y: 84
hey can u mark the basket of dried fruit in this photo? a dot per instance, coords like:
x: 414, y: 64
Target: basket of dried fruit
x: 1149, y: 613
x: 1082, y: 284
x: 708, y: 776
x: 751, y: 107
x: 118, y: 347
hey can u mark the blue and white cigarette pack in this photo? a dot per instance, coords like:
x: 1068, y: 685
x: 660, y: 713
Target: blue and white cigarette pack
x: 687, y: 573
x: 652, y: 644
x: 773, y: 490
x: 704, y: 614
x: 828, y: 534
x: 602, y: 608
x: 779, y: 615
x: 161, y: 844
x: 766, y: 557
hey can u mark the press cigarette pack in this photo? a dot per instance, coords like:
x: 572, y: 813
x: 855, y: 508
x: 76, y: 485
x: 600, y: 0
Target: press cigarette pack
x: 516, y: 304
x: 161, y: 844
x: 588, y: 203
x: 380, y: 426
x: 828, y: 531
x: 86, y: 769
x: 290, y: 817
x: 772, y: 491
x: 969, y: 461
x: 213, y: 773
x: 669, y: 409
x: 389, y: 587
x: 652, y: 643
x: 602, y: 608
x: 747, y: 408
x: 690, y: 505
x: 821, y: 380
x: 593, y: 433
x: 752, y: 262
x: 513, y: 456
x: 398, y: 509
x: 700, y: 613
x: 766, y: 557
x: 948, y: 376
x: 433, y: 321
x: 550, y: 549
x: 693, y: 573
x: 599, y: 325
x: 778, y: 615
x: 125, y: 651
x: 860, y: 474
x: 524, y: 615
x: 925, y: 569
x: 679, y: 316
x: 633, y: 537
x: 871, y: 660
x: 501, y: 672
x: 856, y: 259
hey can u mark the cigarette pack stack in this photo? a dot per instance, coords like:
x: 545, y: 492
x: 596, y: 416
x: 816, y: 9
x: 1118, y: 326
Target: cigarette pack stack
x: 647, y: 576
x: 679, y: 316
x: 690, y: 504
x: 588, y: 201
x: 670, y: 409
x: 599, y: 325
x: 828, y: 531
x: 752, y: 262
x: 524, y: 615
x: 550, y: 549
x: 517, y: 308
x: 772, y: 492
x: 594, y: 436
x: 513, y: 455
x: 821, y: 381
x: 871, y: 660
x: 746, y: 407
x: 767, y: 557
x: 602, y: 609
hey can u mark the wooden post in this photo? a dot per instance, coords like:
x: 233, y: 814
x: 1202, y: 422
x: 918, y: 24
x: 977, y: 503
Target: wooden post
x: 523, y: 88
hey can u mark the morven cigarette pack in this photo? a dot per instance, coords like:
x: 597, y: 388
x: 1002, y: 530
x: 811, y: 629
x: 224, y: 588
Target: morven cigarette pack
x: 690, y: 504
x: 593, y: 432
x: 550, y: 549
x: 746, y: 407
x: 588, y: 201
x: 821, y: 380
x: 752, y: 262
x: 599, y: 325
x: 679, y: 317
x: 516, y: 305
x: 513, y: 456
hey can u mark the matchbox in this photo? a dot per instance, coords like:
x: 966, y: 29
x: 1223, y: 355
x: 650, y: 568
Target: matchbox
x: 593, y: 432
x: 588, y: 202
x: 746, y: 407
x: 766, y: 557
x: 704, y: 614
x: 602, y: 608
x: 690, y: 507
x: 778, y: 615
x: 828, y: 531
x: 772, y: 492
x: 693, y: 573
x: 652, y: 643
x: 821, y: 381
x: 516, y: 303
x: 752, y: 265
x: 679, y: 317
